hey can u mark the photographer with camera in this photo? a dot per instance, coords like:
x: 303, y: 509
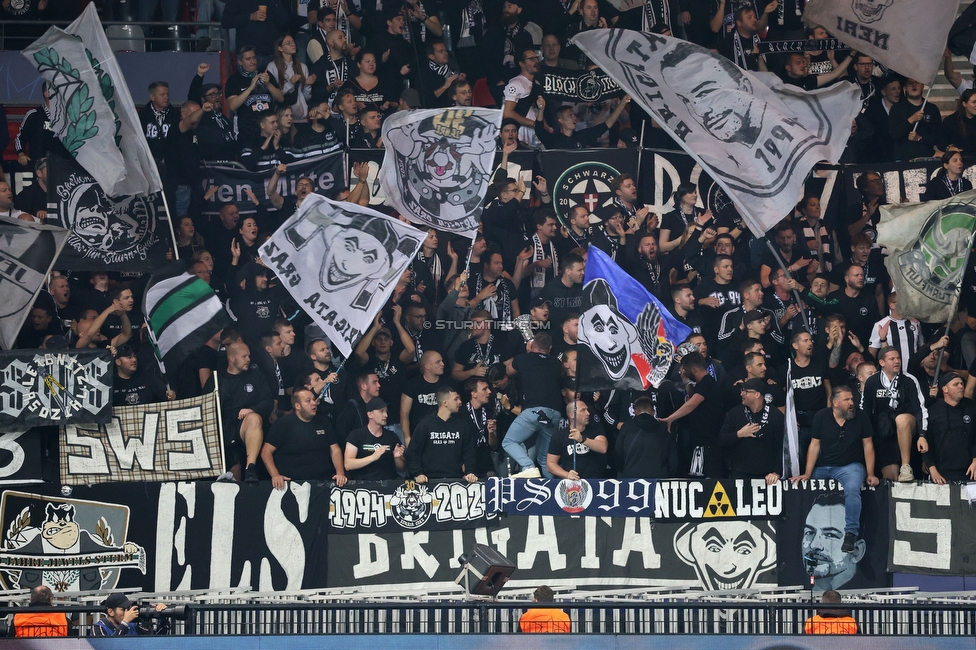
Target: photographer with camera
x: 126, y: 618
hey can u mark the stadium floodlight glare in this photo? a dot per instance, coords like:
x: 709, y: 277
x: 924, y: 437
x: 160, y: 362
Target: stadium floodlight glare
x: 484, y: 571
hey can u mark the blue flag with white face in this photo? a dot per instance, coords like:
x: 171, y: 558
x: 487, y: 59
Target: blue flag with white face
x: 627, y: 337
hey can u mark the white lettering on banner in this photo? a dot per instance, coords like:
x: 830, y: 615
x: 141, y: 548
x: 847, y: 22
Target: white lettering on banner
x: 500, y: 539
x: 413, y: 549
x: 171, y: 538
x: 196, y: 458
x: 374, y: 556
x: 222, y: 533
x: 183, y: 445
x: 694, y: 510
x: 364, y: 508
x: 540, y: 494
x: 902, y: 552
x: 94, y: 462
x: 284, y: 541
x: 8, y: 442
x: 642, y: 492
x: 638, y: 541
x: 590, y: 559
x: 127, y: 451
x: 541, y: 541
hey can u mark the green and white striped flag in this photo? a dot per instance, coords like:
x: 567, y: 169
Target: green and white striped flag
x: 182, y: 312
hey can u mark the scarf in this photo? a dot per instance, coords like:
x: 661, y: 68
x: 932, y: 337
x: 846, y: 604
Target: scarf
x: 484, y: 356
x: 538, y: 254
x: 439, y: 70
x: 499, y: 306
x: 472, y: 22
x: 651, y: 14
x: 818, y: 242
x: 480, y: 418
x: 893, y: 401
x: 762, y: 421
x: 740, y: 54
x: 244, y: 73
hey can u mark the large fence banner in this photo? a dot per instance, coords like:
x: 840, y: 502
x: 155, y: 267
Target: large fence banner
x: 811, y: 533
x: 41, y: 387
x: 567, y: 551
x: 395, y: 506
x: 933, y: 530
x: 21, y: 452
x: 662, y: 500
x: 233, y: 183
x: 165, y: 441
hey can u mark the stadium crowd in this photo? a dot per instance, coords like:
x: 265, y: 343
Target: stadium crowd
x: 442, y: 385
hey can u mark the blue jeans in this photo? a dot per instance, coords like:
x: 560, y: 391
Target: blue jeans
x: 527, y: 425
x: 851, y: 477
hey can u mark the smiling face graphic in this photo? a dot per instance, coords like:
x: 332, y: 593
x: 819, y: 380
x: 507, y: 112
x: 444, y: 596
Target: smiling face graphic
x: 354, y: 256
x: 609, y: 336
x: 726, y: 555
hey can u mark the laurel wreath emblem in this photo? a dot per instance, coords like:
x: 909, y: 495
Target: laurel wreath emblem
x: 66, y: 82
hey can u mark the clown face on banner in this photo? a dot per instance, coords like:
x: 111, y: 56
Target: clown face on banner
x: 438, y: 165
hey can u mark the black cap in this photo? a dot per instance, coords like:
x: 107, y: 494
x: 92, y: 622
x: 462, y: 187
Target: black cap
x: 757, y: 385
x: 375, y: 404
x: 126, y: 350
x: 629, y: 137
x: 947, y: 377
x: 753, y: 316
x: 607, y: 212
x: 538, y: 302
x: 117, y: 600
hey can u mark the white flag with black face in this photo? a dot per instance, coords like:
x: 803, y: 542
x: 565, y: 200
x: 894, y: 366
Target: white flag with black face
x: 438, y: 163
x: 341, y: 262
x: 907, y: 37
x: 756, y: 137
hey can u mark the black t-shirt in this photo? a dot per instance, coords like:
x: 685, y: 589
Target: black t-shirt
x: 141, y: 388
x: 302, y: 448
x: 840, y: 445
x: 249, y: 113
x: 706, y: 420
x: 440, y: 449
x: 808, y: 390
x: 541, y: 375
x: 471, y: 353
x: 383, y: 469
x: 728, y: 296
x: 422, y: 393
x: 562, y: 300
x: 589, y: 464
x: 391, y: 374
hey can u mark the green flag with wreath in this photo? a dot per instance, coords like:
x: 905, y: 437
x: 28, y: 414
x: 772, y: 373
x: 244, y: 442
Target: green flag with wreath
x: 91, y: 110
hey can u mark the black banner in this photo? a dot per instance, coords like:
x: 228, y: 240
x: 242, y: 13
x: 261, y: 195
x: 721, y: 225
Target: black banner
x: 579, y: 86
x: 41, y: 387
x: 811, y: 532
x: 670, y: 501
x: 20, y: 455
x: 807, y: 45
x: 583, y: 177
x: 124, y: 233
x: 933, y: 530
x: 568, y: 551
x: 391, y: 506
x: 326, y: 173
x: 165, y: 537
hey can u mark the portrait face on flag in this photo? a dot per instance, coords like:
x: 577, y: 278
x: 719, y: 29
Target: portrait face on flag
x: 609, y: 335
x: 732, y: 117
x: 438, y: 165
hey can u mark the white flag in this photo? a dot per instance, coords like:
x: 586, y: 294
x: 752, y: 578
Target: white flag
x: 438, y: 165
x: 928, y: 246
x: 908, y: 37
x: 91, y: 109
x: 757, y: 137
x: 341, y: 262
x: 26, y: 257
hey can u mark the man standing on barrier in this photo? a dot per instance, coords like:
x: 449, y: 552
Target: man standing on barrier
x: 841, y: 448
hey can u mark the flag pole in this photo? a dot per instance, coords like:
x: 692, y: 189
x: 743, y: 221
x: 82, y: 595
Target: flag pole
x: 924, y: 102
x: 220, y: 419
x: 575, y: 398
x: 172, y: 231
x: 955, y: 308
x: 796, y: 294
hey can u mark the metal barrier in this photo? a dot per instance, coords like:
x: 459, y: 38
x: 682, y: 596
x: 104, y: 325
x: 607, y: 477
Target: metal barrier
x: 153, y: 36
x: 742, y: 617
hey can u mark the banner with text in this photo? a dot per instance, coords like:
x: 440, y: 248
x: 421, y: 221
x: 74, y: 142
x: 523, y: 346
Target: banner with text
x: 393, y: 506
x: 567, y: 551
x: 662, y: 500
x: 166, y: 441
x: 811, y: 533
x: 933, y: 530
x: 233, y: 184
x: 40, y: 388
x: 21, y: 453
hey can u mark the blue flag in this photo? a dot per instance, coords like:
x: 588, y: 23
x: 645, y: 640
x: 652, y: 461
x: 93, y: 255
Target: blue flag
x: 626, y: 336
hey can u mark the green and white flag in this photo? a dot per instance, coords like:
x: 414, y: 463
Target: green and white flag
x: 182, y: 312
x: 91, y: 110
x: 928, y: 246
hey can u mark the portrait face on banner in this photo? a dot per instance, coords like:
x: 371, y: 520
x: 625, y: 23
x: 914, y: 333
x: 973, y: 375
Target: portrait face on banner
x: 823, y: 535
